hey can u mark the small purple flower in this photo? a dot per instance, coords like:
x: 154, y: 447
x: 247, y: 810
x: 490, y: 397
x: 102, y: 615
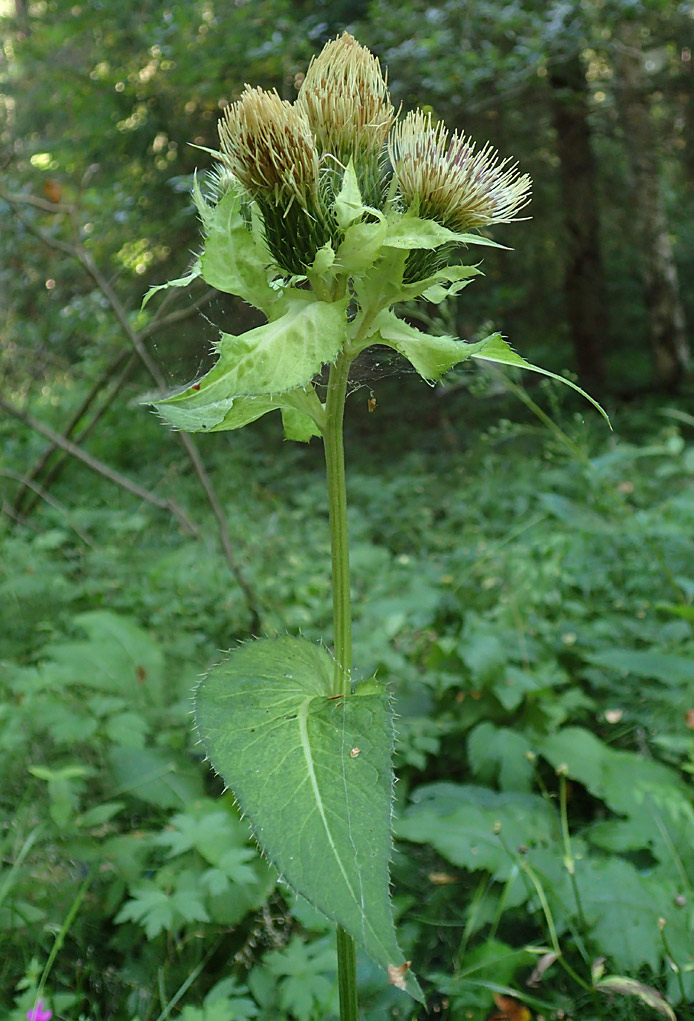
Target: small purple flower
x: 38, y: 1013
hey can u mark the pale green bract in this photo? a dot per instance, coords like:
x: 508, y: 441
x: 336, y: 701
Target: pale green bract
x: 262, y: 369
x: 272, y: 367
x: 312, y: 772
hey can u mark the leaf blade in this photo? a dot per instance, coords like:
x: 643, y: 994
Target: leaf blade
x: 290, y: 751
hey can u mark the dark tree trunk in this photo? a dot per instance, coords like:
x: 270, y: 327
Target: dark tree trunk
x: 586, y: 302
x: 22, y: 16
x: 667, y: 330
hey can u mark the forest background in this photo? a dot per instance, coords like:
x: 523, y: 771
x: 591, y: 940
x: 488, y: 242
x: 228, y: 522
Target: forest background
x: 522, y: 576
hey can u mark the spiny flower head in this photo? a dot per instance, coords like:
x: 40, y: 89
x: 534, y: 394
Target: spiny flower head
x: 345, y: 98
x: 461, y: 188
x: 267, y: 144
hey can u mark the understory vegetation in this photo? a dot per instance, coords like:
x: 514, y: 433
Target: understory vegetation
x: 537, y: 640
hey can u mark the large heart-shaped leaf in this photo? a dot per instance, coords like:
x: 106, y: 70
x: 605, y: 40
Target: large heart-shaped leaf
x: 312, y: 772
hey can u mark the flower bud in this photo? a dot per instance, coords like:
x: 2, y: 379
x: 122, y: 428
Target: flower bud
x: 268, y: 146
x: 345, y: 99
x: 455, y: 185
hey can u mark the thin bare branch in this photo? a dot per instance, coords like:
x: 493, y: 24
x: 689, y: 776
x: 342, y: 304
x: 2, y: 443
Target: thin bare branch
x: 83, y: 255
x: 35, y: 470
x: 54, y: 471
x: 103, y: 469
x: 51, y: 501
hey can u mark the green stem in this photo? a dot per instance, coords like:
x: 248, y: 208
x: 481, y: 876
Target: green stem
x: 342, y: 616
x: 337, y: 500
x: 347, y: 976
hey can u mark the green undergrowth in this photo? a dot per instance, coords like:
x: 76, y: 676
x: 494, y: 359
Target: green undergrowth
x: 528, y: 597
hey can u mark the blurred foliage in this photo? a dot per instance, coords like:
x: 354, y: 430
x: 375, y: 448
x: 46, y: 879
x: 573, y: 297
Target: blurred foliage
x: 526, y: 592
x: 537, y: 638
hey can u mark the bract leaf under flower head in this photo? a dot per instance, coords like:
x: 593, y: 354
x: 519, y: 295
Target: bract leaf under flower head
x: 456, y: 185
x: 267, y: 144
x: 345, y: 98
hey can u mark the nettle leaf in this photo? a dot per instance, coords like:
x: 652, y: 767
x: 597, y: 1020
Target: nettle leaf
x: 257, y: 370
x: 664, y: 667
x: 622, y: 907
x: 313, y: 774
x: 627, y: 782
x: 500, y: 753
x: 474, y: 827
x: 234, y: 261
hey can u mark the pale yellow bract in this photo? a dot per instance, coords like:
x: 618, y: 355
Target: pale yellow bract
x: 461, y: 188
x: 267, y: 144
x: 345, y: 98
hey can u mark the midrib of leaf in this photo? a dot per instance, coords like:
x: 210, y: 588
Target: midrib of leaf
x: 308, y: 755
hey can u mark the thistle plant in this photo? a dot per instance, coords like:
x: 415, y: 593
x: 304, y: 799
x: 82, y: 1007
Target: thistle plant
x: 326, y: 214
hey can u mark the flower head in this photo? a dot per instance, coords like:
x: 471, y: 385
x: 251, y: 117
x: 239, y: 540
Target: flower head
x: 459, y: 187
x: 345, y: 98
x: 267, y: 144
x: 38, y: 1013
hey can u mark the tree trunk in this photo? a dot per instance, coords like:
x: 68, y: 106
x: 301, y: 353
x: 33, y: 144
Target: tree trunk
x: 667, y: 330
x: 586, y: 301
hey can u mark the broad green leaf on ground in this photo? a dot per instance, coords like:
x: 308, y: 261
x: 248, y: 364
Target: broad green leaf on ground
x: 118, y: 655
x: 622, y: 907
x: 500, y: 754
x: 312, y: 773
x: 474, y: 827
x: 267, y: 363
x: 154, y: 776
x: 627, y: 782
x: 233, y: 260
x: 658, y: 810
x: 662, y: 666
